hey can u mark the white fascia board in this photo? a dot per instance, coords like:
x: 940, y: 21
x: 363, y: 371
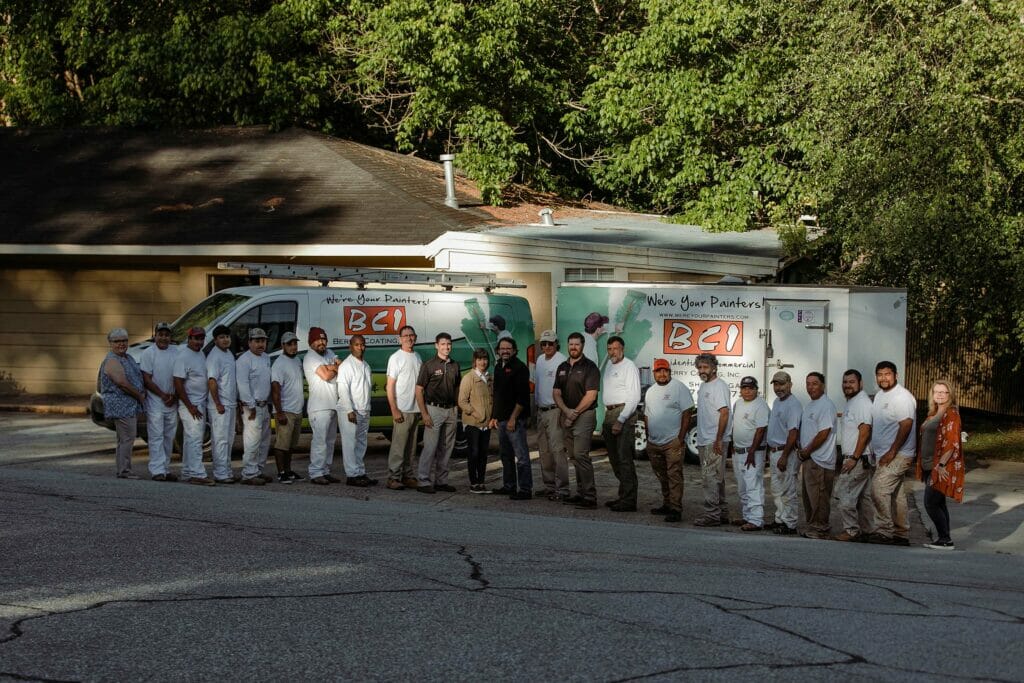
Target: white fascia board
x: 518, y: 249
x: 214, y: 250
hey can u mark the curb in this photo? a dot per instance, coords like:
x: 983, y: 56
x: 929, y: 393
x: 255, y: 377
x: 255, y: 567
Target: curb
x: 43, y: 409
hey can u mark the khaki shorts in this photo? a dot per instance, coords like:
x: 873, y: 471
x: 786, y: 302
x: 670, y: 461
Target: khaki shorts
x: 287, y: 436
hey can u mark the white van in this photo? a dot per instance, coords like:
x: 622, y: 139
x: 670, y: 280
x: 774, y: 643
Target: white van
x: 474, y: 319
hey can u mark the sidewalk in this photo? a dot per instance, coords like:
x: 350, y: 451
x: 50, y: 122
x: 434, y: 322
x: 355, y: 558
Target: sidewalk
x: 52, y: 404
x: 991, y: 518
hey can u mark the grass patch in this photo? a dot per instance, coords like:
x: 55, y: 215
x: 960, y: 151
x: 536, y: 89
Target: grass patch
x: 993, y: 438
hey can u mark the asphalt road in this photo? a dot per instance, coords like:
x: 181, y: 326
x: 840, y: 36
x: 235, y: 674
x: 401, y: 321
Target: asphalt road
x: 107, y: 579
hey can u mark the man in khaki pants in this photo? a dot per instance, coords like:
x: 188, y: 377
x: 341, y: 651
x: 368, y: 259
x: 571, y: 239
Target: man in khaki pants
x: 667, y: 405
x: 893, y: 441
x: 853, y: 483
x: 554, y: 464
x: 577, y: 382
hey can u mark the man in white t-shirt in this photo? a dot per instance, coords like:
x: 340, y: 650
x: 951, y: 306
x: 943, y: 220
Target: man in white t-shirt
x: 192, y: 389
x: 321, y: 369
x: 893, y: 443
x: 355, y: 383
x: 783, y: 442
x: 157, y: 365
x: 749, y: 423
x: 817, y: 452
x: 667, y: 407
x: 403, y: 370
x: 253, y: 368
x: 286, y: 397
x: 853, y: 483
x: 554, y: 463
x: 714, y: 424
x: 222, y: 404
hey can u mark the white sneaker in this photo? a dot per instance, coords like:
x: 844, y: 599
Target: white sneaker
x: 940, y: 545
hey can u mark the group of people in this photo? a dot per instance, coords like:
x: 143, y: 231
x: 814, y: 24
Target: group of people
x: 861, y: 457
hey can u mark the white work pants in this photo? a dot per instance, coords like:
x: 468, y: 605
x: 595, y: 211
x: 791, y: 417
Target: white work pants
x: 353, y: 442
x: 192, y: 433
x: 222, y: 437
x: 161, y: 423
x: 324, y: 424
x: 784, y: 489
x: 750, y: 486
x: 255, y: 441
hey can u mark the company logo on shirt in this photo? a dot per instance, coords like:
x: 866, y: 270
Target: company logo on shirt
x: 693, y: 337
x: 373, y: 320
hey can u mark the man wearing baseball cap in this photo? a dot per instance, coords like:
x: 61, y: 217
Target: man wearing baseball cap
x: 749, y: 424
x: 554, y: 463
x: 192, y: 389
x: 321, y: 369
x: 817, y: 452
x: 783, y: 440
x: 286, y: 397
x: 667, y: 407
x: 253, y: 398
x: 222, y: 405
x: 157, y: 364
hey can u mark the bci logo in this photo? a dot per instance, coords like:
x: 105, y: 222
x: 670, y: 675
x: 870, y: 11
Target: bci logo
x: 692, y: 337
x: 373, y: 320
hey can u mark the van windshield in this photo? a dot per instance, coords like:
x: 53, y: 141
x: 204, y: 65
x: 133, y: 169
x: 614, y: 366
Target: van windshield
x: 204, y: 313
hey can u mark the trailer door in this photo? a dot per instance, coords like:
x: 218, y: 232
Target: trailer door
x: 796, y: 341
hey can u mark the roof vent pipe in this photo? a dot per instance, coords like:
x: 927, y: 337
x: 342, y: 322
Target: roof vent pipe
x: 546, y: 217
x: 449, y: 180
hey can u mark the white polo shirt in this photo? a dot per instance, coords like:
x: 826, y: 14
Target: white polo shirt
x: 404, y: 368
x: 711, y: 397
x: 253, y: 378
x: 544, y: 372
x: 287, y: 372
x: 323, y: 395
x: 819, y: 415
x: 620, y: 383
x: 785, y: 416
x: 856, y: 413
x: 664, y: 406
x: 747, y: 418
x: 159, y: 364
x: 888, y: 410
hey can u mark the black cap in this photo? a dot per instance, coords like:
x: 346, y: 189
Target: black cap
x: 221, y: 329
x: 748, y: 381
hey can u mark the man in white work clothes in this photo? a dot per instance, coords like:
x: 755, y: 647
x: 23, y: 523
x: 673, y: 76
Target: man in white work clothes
x: 192, y: 389
x: 403, y: 371
x: 253, y: 369
x: 286, y: 396
x: 817, y: 452
x: 783, y: 442
x: 157, y: 365
x: 355, y: 383
x: 554, y: 463
x: 749, y: 423
x: 321, y: 369
x: 714, y: 425
x: 853, y: 483
x: 222, y: 404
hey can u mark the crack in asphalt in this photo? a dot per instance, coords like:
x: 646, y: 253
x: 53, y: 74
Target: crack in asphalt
x: 476, y: 571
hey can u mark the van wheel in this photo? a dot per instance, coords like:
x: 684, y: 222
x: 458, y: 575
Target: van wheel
x: 690, y: 455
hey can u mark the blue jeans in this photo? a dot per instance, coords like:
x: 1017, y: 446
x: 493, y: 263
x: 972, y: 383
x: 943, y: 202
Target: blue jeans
x: 516, y: 474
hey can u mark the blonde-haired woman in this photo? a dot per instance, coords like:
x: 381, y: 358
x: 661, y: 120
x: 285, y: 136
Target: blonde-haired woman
x: 940, y: 462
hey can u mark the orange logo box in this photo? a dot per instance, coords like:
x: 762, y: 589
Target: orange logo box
x: 692, y: 337
x: 374, y: 320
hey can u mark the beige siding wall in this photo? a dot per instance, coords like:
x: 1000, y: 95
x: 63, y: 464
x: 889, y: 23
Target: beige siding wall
x: 672, y: 277
x: 55, y: 322
x: 538, y: 293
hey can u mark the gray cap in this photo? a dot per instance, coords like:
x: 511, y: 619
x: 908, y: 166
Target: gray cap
x: 781, y: 377
x: 548, y: 336
x: 288, y: 337
x: 257, y: 333
x: 162, y: 326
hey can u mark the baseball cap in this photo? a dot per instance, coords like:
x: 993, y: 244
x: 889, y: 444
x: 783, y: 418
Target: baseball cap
x: 748, y: 381
x: 160, y: 327
x: 288, y: 337
x: 781, y: 377
x: 221, y: 329
x: 257, y: 333
x: 197, y: 331
x: 504, y: 334
x: 661, y: 364
x: 316, y: 333
x: 548, y: 336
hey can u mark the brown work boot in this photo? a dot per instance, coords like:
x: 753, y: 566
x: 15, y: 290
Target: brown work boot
x: 411, y: 483
x: 395, y: 485
x: 845, y: 537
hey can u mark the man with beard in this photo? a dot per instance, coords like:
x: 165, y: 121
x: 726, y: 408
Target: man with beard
x: 853, y: 485
x: 253, y: 396
x: 575, y: 393
x: 222, y: 404
x: 321, y: 369
x: 714, y: 425
x: 620, y: 387
x: 667, y: 405
x: 403, y: 371
x: 354, y: 385
x: 509, y: 415
x: 817, y: 452
x: 286, y: 397
x: 437, y: 393
x: 893, y: 443
x: 783, y: 441
x: 157, y: 364
x: 190, y: 383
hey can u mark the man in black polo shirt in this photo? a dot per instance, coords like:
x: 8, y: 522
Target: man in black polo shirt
x: 437, y: 390
x: 575, y: 393
x: 511, y: 408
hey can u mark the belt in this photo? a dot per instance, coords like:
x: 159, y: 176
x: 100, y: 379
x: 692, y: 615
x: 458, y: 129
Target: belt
x: 257, y: 404
x: 545, y: 408
x: 776, y: 449
x: 614, y: 406
x: 446, y: 406
x: 747, y: 450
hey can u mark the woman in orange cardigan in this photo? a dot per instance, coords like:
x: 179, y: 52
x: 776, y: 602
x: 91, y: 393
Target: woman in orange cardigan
x: 940, y: 462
